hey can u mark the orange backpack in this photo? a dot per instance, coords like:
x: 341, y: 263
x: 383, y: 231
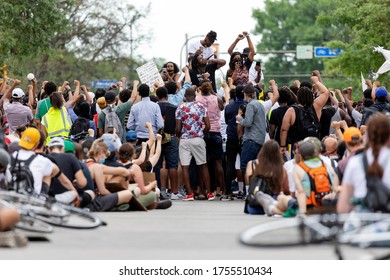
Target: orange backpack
x: 320, y: 183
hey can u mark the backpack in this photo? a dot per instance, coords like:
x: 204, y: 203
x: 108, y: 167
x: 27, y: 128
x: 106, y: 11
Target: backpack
x: 375, y: 109
x: 378, y: 195
x: 320, y: 183
x: 306, y: 124
x: 256, y: 184
x: 22, y: 177
x: 79, y: 129
x: 112, y: 120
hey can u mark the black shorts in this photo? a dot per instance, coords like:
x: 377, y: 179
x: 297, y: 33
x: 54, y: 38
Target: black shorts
x: 214, y: 146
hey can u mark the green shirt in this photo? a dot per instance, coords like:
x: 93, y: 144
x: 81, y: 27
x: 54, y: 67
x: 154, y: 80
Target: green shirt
x: 42, y: 108
x: 121, y: 111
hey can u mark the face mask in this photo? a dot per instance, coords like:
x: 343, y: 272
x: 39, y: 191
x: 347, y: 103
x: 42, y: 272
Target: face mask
x: 102, y: 160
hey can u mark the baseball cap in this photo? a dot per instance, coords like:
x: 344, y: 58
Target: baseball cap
x: 56, y: 141
x: 351, y: 134
x: 17, y: 93
x: 110, y: 96
x: 4, y: 158
x: 245, y: 51
x: 30, y: 137
x: 131, y: 136
x: 381, y: 92
x: 69, y: 146
x: 101, y: 102
x: 306, y: 149
x: 111, y: 145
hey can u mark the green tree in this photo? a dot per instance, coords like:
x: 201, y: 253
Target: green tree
x: 368, y: 24
x: 26, y: 27
x: 285, y: 24
x: 96, y: 41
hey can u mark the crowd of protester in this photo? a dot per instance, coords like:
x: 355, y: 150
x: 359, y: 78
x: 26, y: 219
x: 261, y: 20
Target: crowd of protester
x: 132, y: 147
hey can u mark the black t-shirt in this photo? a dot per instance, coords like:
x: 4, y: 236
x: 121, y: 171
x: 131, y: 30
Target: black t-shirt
x: 196, y: 76
x: 168, y: 111
x: 277, y: 120
x: 69, y: 165
x: 326, y: 118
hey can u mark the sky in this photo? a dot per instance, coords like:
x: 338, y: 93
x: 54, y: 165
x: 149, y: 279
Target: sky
x: 170, y: 20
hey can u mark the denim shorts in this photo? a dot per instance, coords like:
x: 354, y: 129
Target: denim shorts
x: 170, y: 151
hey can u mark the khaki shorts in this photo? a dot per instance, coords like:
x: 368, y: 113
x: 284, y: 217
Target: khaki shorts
x: 195, y: 147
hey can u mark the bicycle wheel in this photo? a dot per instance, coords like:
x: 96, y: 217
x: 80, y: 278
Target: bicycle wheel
x: 78, y: 218
x: 34, y: 225
x: 286, y: 232
x: 32, y: 206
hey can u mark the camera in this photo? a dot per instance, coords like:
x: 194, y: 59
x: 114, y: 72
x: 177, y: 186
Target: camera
x: 164, y: 71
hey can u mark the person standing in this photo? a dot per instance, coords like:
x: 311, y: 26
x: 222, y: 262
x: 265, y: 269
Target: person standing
x: 254, y: 124
x: 191, y: 123
x: 143, y: 112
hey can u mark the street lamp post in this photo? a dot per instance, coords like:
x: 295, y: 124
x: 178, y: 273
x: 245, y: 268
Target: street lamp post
x: 186, y: 45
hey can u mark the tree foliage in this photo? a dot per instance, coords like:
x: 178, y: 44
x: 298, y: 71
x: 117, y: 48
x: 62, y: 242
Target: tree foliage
x: 26, y: 27
x: 74, y: 38
x: 368, y: 24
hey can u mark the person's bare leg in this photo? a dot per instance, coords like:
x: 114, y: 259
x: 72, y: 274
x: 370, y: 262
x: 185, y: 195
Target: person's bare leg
x: 204, y: 171
x: 186, y: 176
x: 8, y: 217
x: 173, y: 178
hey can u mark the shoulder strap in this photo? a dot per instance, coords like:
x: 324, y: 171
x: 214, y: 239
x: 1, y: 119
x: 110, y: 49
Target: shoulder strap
x: 365, y: 164
x: 307, y: 170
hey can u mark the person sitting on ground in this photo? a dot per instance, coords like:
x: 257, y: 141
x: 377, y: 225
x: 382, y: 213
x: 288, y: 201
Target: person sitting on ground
x: 269, y: 167
x: 106, y: 200
x: 354, y: 185
x: 42, y: 167
x: 316, y: 183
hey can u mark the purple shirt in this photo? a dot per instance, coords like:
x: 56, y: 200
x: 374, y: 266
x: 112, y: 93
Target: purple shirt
x: 17, y: 114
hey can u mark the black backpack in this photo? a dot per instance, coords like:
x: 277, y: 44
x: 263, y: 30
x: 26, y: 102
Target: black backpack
x: 79, y: 129
x: 22, y: 177
x: 256, y: 184
x: 378, y: 195
x: 306, y: 124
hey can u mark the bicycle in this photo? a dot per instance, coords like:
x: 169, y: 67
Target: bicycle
x: 38, y: 214
x: 363, y: 230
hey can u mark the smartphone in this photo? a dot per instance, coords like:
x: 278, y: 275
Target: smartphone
x: 110, y: 129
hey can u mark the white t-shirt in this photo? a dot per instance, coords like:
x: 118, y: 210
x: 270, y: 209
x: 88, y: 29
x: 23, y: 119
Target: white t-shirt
x: 357, y: 116
x: 355, y: 176
x: 207, y: 52
x: 40, y: 167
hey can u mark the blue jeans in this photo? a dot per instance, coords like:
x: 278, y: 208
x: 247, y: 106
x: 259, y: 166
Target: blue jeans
x: 250, y: 150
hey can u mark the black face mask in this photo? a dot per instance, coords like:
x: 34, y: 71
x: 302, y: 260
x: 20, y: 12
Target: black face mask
x: 170, y: 70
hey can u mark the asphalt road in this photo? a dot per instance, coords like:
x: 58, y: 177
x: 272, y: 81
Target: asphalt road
x: 193, y: 230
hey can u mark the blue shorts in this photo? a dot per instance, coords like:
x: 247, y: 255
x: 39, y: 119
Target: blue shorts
x: 170, y: 152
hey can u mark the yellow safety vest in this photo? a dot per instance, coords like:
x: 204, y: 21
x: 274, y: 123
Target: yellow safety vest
x: 56, y: 123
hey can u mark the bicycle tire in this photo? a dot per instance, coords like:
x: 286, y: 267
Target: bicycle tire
x: 78, y: 218
x: 285, y: 233
x: 32, y: 206
x: 31, y: 224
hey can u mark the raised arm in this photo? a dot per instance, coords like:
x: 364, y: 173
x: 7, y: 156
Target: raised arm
x: 134, y: 93
x: 235, y: 42
x: 251, y: 54
x: 321, y: 100
x: 153, y: 158
x: 275, y: 91
x: 88, y: 98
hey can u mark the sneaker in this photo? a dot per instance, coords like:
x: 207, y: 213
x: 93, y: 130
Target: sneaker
x: 266, y: 201
x: 226, y: 197
x: 164, y: 195
x: 210, y: 196
x: 164, y: 204
x: 240, y: 195
x: 182, y: 192
x: 189, y: 197
x: 175, y: 196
